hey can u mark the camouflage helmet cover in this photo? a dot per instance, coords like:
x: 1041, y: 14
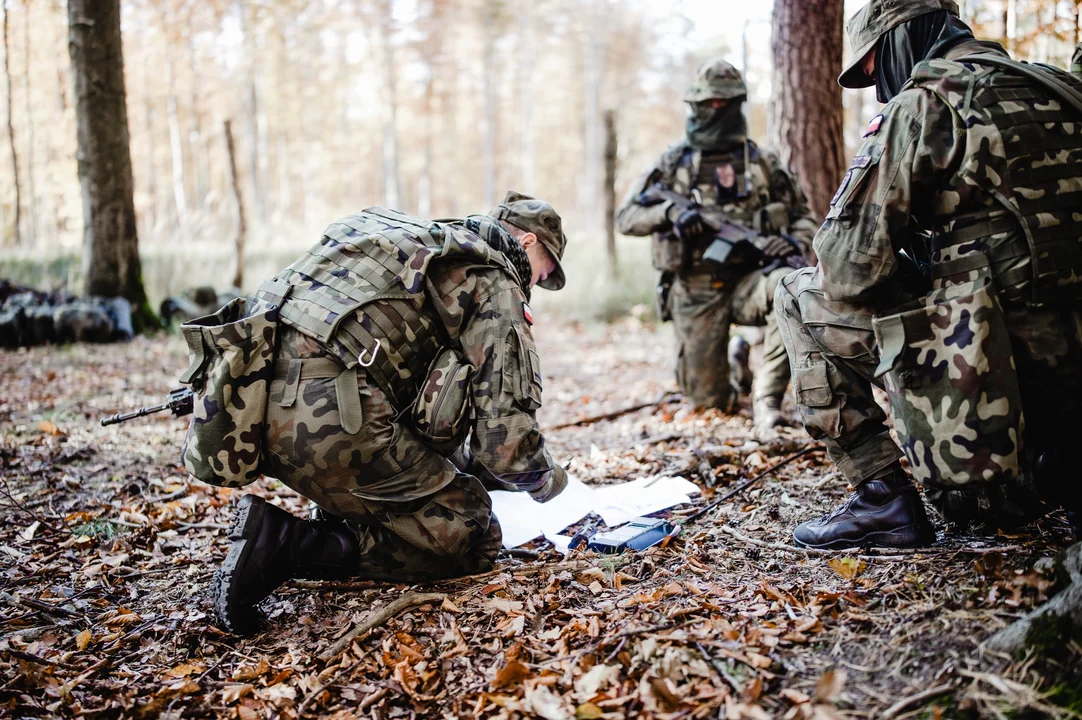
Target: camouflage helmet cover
x: 872, y: 22
x: 540, y: 218
x: 716, y: 79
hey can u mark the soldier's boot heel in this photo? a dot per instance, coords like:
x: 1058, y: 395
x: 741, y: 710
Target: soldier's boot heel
x: 269, y: 547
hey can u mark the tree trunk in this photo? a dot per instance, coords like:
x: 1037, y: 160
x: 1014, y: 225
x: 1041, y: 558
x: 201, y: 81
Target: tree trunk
x: 594, y: 71
x: 1056, y: 621
x: 609, y: 192
x: 31, y: 194
x: 806, y: 117
x: 253, y: 110
x: 195, y: 138
x: 488, y: 121
x: 110, y: 243
x: 390, y: 117
x: 11, y: 128
x: 176, y: 150
x: 242, y: 221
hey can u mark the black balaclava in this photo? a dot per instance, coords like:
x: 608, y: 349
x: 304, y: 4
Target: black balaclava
x: 709, y: 129
x: 925, y: 37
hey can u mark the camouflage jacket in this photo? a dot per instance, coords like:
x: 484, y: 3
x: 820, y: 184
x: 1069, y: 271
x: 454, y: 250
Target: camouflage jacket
x: 961, y: 150
x: 725, y: 187
x: 402, y: 289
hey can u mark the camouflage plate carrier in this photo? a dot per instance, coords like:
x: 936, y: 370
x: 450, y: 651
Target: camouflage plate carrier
x: 363, y: 293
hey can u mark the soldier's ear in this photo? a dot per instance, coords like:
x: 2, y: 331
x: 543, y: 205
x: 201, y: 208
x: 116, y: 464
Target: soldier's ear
x: 527, y: 240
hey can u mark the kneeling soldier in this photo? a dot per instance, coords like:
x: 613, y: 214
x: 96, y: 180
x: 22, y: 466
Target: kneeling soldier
x: 950, y: 275
x: 395, y: 338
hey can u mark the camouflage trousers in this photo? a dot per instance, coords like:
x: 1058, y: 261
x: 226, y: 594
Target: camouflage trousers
x: 416, y: 517
x: 834, y: 357
x: 702, y: 313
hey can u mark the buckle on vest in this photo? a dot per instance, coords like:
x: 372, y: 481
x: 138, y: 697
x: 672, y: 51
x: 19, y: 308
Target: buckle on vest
x: 371, y: 359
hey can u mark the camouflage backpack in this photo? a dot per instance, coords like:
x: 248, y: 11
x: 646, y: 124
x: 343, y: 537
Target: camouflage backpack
x: 232, y: 365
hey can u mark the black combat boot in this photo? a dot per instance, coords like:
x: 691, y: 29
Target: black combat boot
x: 269, y: 547
x: 886, y: 511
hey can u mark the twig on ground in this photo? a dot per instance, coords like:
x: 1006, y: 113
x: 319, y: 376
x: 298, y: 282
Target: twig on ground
x: 919, y: 698
x: 38, y: 605
x: 751, y: 481
x: 378, y: 617
x: 28, y: 511
x: 666, y: 397
x: 920, y: 555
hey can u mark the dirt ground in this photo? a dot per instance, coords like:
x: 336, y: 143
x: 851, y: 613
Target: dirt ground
x: 107, y: 549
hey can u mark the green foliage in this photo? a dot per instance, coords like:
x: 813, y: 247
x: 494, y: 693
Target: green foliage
x: 100, y: 528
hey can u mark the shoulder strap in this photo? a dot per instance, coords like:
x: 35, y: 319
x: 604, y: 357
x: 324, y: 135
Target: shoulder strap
x: 1040, y: 74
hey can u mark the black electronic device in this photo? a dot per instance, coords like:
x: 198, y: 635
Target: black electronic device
x: 636, y: 534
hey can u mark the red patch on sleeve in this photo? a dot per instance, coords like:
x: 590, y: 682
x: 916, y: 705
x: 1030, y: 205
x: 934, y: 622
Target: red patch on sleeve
x: 873, y: 126
x: 527, y: 313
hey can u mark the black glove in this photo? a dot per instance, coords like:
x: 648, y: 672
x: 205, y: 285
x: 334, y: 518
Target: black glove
x: 776, y: 246
x: 688, y: 224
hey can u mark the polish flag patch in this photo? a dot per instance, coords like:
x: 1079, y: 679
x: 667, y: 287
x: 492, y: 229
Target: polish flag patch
x: 527, y: 313
x: 873, y: 126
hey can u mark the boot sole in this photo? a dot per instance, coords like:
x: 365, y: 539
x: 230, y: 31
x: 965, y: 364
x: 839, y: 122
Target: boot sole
x: 905, y: 537
x: 246, y: 524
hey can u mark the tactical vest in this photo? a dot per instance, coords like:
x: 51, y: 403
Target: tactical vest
x: 740, y: 188
x: 1024, y: 150
x: 363, y: 291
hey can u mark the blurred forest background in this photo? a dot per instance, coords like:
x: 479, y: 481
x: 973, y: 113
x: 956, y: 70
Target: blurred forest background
x: 434, y: 107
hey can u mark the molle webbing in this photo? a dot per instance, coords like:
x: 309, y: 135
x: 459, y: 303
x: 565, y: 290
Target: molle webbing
x: 1041, y: 181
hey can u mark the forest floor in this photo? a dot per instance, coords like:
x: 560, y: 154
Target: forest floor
x: 107, y: 549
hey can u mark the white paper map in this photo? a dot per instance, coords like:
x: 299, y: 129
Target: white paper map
x: 522, y: 519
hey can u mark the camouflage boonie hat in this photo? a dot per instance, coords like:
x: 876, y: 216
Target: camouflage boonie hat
x: 540, y: 218
x: 716, y: 79
x: 873, y: 21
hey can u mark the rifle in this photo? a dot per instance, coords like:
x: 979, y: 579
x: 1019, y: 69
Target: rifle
x: 180, y: 402
x: 728, y: 235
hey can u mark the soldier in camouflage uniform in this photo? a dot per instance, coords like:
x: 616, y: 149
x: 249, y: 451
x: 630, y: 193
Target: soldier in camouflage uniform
x: 949, y: 275
x: 396, y: 337
x: 720, y: 172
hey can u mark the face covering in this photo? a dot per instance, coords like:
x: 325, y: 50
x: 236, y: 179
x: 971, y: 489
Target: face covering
x: 925, y: 37
x: 722, y: 129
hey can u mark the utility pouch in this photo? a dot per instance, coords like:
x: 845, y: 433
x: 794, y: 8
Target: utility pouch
x: 950, y: 375
x: 232, y: 366
x: 441, y: 413
x: 669, y: 252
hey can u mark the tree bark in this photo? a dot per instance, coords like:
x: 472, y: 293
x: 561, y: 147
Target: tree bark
x: 11, y: 127
x: 242, y: 221
x: 609, y: 192
x: 806, y: 117
x: 110, y: 243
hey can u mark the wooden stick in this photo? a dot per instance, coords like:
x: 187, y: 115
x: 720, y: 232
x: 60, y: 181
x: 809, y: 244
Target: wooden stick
x: 378, y: 617
x: 920, y: 697
x: 918, y: 555
x: 614, y: 414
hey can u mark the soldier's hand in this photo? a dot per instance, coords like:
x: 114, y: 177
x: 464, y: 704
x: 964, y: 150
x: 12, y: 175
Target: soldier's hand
x: 552, y: 487
x: 689, y: 224
x: 776, y: 246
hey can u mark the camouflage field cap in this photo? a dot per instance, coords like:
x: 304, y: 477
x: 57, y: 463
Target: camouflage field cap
x: 540, y: 218
x: 716, y: 79
x: 872, y: 21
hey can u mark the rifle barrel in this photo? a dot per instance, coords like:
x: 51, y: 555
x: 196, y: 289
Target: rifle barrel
x: 141, y: 412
